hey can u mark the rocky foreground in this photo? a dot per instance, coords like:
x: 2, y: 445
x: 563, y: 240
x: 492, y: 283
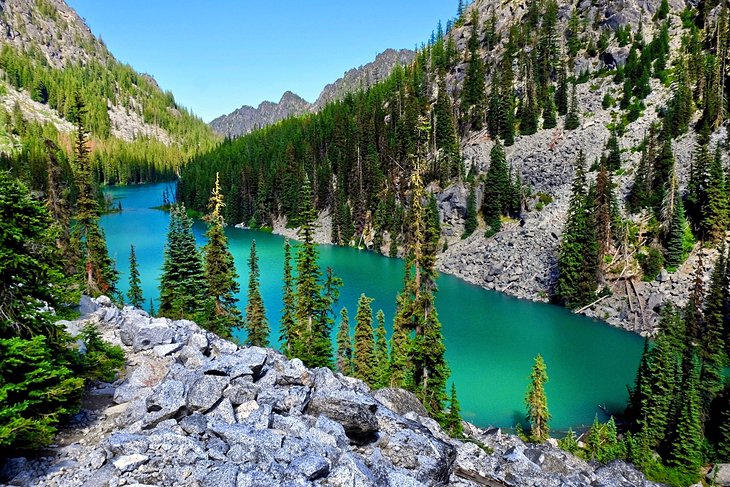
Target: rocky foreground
x: 195, y: 410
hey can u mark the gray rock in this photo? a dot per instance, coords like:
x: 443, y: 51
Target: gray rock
x: 252, y: 357
x: 87, y: 305
x: 354, y: 412
x: 400, y: 401
x: 222, y: 412
x: 223, y: 476
x: 194, y: 424
x: 720, y: 474
x: 206, y: 391
x: 261, y: 417
x: 123, y: 443
x: 311, y: 467
x: 128, y: 463
x: 350, y: 471
x: 165, y: 350
x: 165, y: 402
x: 241, y: 392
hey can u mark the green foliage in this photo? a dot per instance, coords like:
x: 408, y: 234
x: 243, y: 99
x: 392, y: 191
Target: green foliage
x: 578, y: 254
x: 569, y: 442
x: 344, y: 345
x: 182, y: 284
x: 452, y: 421
x: 470, y: 222
x: 97, y: 269
x: 30, y: 271
x: 102, y: 361
x: 380, y: 353
x: 134, y: 294
x: 257, y: 327
x: 364, y: 360
x: 651, y: 263
x: 37, y: 390
x: 536, y: 401
x: 497, y: 189
x: 572, y: 119
x: 602, y: 443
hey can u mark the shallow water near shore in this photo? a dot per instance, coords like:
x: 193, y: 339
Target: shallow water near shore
x: 491, y: 338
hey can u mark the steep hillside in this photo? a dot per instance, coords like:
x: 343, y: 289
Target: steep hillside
x: 247, y: 119
x: 49, y: 55
x: 629, y: 86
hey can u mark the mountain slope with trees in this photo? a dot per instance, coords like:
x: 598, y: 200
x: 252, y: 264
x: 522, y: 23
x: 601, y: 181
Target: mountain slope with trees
x: 620, y: 83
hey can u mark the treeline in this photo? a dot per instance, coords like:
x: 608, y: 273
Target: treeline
x: 354, y: 153
x: 200, y: 285
x: 678, y: 415
x: 105, y: 82
x: 52, y: 252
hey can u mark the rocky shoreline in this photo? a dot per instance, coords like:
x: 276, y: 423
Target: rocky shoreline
x: 193, y: 409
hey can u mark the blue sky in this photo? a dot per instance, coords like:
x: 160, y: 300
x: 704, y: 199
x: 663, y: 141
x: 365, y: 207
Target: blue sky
x: 216, y: 55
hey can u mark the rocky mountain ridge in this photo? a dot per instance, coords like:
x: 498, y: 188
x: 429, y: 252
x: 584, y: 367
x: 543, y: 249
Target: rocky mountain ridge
x: 196, y: 410
x: 57, y: 38
x: 247, y: 118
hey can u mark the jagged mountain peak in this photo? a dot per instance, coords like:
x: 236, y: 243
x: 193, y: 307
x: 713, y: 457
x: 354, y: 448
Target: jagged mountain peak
x: 247, y: 118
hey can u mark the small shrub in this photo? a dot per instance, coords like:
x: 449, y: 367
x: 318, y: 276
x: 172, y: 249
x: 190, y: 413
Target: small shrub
x: 651, y: 263
x: 102, y: 360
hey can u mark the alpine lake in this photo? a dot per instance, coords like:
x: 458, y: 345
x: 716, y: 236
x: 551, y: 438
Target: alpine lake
x: 491, y: 339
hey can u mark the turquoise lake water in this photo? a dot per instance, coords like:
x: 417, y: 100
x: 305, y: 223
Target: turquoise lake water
x: 491, y: 339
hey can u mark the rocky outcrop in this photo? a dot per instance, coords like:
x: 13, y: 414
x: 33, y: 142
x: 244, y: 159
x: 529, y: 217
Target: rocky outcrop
x: 247, y: 118
x: 196, y: 410
x: 364, y: 76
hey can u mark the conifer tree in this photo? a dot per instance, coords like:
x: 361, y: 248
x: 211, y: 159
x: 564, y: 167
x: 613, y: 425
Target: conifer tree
x: 578, y: 253
x: 382, y: 359
x: 312, y: 343
x: 711, y: 348
x: 364, y: 364
x: 722, y: 447
x: 676, y: 228
x: 561, y: 92
x: 536, y: 401
x: 602, y: 209
x: 529, y: 110
x: 135, y: 291
x: 99, y: 274
x: 256, y: 324
x: 654, y: 393
x: 507, y: 101
x: 470, y: 222
x: 453, y: 417
x: 288, y: 314
x: 549, y: 113
x: 220, y: 271
x: 445, y: 134
x: 714, y: 211
x: 473, y: 96
x: 182, y: 284
x: 686, y: 437
x: 344, y: 345
x: 697, y: 184
x: 613, y: 161
x: 496, y: 189
x: 640, y: 194
x: 495, y: 108
x: 572, y: 119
